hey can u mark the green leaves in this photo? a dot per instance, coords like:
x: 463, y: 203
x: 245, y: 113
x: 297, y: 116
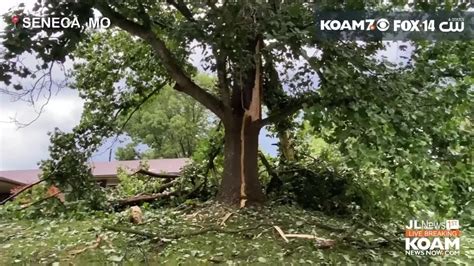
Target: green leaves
x: 408, y: 125
x: 171, y: 124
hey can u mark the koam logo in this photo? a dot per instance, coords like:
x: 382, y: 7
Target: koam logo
x: 433, y: 238
x: 336, y: 25
x: 424, y: 243
x: 367, y: 24
x: 59, y: 22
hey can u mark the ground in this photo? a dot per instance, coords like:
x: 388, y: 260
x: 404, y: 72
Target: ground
x: 85, y: 241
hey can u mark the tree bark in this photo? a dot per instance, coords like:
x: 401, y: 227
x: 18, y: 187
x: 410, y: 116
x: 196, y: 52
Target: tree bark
x: 286, y: 145
x: 240, y: 184
x: 242, y: 122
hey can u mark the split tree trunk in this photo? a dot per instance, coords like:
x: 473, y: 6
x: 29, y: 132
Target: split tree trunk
x: 242, y: 122
x: 240, y: 184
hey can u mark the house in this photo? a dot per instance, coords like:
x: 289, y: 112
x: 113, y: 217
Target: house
x: 104, y: 172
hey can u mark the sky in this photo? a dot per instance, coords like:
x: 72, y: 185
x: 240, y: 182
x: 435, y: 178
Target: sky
x: 24, y: 147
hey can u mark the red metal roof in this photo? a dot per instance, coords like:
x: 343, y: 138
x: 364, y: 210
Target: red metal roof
x: 12, y: 182
x: 102, y: 169
x: 23, y: 177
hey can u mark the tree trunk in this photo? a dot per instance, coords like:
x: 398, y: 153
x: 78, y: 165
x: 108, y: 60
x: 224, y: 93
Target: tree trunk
x: 242, y: 123
x: 240, y: 184
x: 286, y: 145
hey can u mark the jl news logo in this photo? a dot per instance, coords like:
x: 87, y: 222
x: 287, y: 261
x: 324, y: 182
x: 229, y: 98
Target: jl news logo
x: 427, y: 238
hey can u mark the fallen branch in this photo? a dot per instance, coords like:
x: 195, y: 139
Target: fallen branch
x: 225, y: 218
x: 281, y: 233
x: 352, y: 231
x: 141, y: 198
x: 368, y: 228
x: 130, y: 231
x: 180, y: 235
x: 40, y: 201
x: 145, y: 198
x: 157, y: 175
x: 305, y: 236
x: 166, y: 185
x: 321, y: 242
x: 23, y: 189
x: 95, y: 245
x: 393, y: 243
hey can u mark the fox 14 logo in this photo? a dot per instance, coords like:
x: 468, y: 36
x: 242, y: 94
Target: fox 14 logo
x: 426, y: 238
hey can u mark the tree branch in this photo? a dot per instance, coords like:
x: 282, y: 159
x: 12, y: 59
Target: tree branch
x: 183, y: 82
x: 183, y: 9
x: 295, y: 105
x: 23, y: 189
x: 289, y: 109
x: 185, y: 234
x: 222, y: 76
x: 147, y: 198
x: 122, y: 22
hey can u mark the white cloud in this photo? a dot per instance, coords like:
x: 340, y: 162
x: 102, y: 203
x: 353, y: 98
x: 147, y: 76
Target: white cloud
x: 22, y: 148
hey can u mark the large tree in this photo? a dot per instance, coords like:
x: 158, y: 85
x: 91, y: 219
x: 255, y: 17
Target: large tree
x: 257, y: 49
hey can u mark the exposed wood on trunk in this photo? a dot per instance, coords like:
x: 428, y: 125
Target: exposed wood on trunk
x: 136, y: 215
x: 252, y: 114
x: 243, y: 195
x: 230, y: 188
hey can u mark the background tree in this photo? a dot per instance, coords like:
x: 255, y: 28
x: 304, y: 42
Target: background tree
x: 170, y: 124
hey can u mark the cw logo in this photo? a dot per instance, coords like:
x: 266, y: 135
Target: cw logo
x: 451, y: 26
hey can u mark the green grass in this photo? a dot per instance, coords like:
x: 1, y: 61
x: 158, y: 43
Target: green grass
x: 51, y: 241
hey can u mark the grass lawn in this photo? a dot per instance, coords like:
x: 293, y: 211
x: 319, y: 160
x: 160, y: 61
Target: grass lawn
x: 62, y: 241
